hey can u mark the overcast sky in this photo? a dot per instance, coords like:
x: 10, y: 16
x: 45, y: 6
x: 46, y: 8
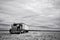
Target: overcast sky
x: 30, y: 12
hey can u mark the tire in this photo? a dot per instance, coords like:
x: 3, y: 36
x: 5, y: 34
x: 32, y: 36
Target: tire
x: 22, y: 31
x: 10, y: 31
x: 25, y: 31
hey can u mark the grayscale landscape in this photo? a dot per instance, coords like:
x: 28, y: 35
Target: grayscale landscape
x: 38, y: 14
x: 31, y: 36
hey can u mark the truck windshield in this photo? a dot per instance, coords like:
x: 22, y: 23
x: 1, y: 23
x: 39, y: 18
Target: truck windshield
x: 14, y: 24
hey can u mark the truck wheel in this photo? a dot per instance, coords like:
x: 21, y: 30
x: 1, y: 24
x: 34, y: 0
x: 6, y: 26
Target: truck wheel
x: 18, y: 33
x: 10, y: 31
x: 26, y: 31
x: 22, y: 31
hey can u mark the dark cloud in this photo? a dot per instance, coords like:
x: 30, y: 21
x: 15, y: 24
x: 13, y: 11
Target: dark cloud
x: 57, y: 4
x: 4, y: 24
x: 1, y: 20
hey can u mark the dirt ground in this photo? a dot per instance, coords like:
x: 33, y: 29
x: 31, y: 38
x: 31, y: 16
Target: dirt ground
x: 31, y: 36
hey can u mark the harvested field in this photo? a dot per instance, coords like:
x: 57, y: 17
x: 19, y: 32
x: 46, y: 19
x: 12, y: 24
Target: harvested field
x: 31, y: 36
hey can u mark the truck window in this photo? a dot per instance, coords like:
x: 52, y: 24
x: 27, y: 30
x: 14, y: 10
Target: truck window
x: 14, y: 24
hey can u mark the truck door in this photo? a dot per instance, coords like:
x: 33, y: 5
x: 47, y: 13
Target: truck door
x: 21, y: 26
x: 18, y: 27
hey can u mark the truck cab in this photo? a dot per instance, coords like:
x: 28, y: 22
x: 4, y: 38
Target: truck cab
x: 17, y: 28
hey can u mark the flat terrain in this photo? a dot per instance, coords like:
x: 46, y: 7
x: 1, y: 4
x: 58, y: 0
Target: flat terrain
x: 44, y: 13
x: 33, y: 35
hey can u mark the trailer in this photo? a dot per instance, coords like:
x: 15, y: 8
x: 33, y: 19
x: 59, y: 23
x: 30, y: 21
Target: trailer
x: 19, y: 28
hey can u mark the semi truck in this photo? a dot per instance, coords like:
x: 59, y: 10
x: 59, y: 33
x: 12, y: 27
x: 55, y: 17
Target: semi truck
x: 19, y: 28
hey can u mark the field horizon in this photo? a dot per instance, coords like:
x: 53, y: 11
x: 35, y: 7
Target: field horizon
x: 33, y: 35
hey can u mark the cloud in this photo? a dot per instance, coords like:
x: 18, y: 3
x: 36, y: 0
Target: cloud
x: 31, y: 12
x: 4, y: 24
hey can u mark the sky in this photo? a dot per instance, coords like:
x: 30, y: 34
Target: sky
x: 30, y: 12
